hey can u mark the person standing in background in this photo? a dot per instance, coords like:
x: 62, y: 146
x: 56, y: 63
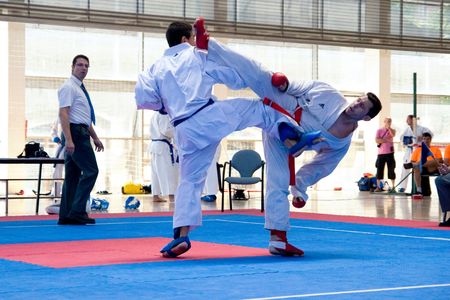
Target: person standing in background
x: 77, y: 117
x: 385, y: 143
x: 164, y: 158
x: 410, y: 141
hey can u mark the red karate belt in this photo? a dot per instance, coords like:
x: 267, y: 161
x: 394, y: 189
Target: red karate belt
x: 297, y: 117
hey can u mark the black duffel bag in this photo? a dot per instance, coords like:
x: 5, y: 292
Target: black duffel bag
x: 33, y: 149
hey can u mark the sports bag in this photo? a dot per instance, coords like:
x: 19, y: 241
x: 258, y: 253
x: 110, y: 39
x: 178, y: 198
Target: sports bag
x: 32, y: 149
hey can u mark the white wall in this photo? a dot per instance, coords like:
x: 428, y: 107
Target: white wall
x: 3, y: 98
x: 3, y: 91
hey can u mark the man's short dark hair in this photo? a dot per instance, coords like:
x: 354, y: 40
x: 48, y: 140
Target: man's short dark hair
x: 176, y: 31
x: 74, y: 60
x: 376, y: 105
x: 427, y: 134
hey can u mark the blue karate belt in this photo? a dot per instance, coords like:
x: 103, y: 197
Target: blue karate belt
x: 172, y: 156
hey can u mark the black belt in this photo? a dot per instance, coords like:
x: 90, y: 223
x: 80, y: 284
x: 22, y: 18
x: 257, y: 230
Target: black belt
x: 172, y: 156
x: 179, y: 121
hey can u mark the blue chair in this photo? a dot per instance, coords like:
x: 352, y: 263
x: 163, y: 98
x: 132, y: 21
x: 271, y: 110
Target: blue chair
x: 246, y: 163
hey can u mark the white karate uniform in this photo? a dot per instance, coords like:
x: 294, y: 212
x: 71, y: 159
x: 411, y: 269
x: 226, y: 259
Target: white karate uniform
x: 409, y: 148
x: 60, y: 153
x: 322, y: 105
x: 164, y: 164
x: 181, y: 82
x: 212, y: 181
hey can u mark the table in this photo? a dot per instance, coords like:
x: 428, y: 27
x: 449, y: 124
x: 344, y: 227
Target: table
x: 34, y: 161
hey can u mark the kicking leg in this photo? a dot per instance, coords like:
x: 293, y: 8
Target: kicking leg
x: 254, y: 74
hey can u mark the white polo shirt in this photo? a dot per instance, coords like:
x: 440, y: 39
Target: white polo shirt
x: 71, y: 95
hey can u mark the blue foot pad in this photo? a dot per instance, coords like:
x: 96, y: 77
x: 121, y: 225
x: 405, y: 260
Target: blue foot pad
x: 168, y: 248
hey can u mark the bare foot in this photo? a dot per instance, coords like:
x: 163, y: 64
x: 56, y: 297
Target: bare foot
x: 157, y: 198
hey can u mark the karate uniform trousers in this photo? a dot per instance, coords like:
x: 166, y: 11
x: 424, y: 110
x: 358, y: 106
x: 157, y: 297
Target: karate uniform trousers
x: 212, y: 181
x: 164, y: 164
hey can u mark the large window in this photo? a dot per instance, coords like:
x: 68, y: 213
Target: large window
x: 433, y: 89
x: 345, y: 68
x: 420, y: 18
x: 115, y: 60
x: 433, y: 72
x: 295, y: 60
x: 117, y: 57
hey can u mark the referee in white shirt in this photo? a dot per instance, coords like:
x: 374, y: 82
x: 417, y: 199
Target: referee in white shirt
x: 77, y: 117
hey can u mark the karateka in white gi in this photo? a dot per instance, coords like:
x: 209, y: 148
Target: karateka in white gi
x: 410, y: 141
x: 164, y: 158
x: 212, y: 181
x: 180, y: 83
x: 58, y: 138
x: 324, y: 109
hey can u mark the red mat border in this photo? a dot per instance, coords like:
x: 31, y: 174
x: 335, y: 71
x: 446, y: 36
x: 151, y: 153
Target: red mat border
x: 87, y: 253
x: 255, y: 212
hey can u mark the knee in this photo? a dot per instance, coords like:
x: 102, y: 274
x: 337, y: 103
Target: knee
x: 92, y: 172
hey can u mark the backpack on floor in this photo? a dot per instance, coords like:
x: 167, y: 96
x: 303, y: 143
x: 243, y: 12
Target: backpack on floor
x: 367, y: 183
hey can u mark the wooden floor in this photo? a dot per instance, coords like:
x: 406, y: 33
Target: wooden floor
x: 345, y: 202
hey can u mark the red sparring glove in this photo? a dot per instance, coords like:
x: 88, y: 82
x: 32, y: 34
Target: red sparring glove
x: 280, y: 81
x: 202, y: 36
x: 298, y: 202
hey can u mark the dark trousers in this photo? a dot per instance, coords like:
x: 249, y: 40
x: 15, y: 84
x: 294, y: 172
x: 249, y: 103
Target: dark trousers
x: 443, y: 189
x: 81, y: 172
x: 390, y: 161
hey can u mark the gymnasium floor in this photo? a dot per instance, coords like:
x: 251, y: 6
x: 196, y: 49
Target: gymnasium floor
x: 345, y: 202
x: 357, y: 245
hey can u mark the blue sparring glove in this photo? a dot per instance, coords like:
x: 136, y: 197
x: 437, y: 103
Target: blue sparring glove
x: 56, y: 140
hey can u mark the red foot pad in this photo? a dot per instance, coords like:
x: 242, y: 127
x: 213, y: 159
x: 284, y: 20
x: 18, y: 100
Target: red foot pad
x: 115, y: 251
x: 278, y: 245
x: 298, y: 202
x: 284, y: 249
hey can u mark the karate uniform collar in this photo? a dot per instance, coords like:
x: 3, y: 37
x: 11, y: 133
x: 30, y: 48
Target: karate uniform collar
x: 176, y: 49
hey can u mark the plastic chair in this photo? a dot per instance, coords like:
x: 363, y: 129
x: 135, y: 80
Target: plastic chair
x: 246, y: 163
